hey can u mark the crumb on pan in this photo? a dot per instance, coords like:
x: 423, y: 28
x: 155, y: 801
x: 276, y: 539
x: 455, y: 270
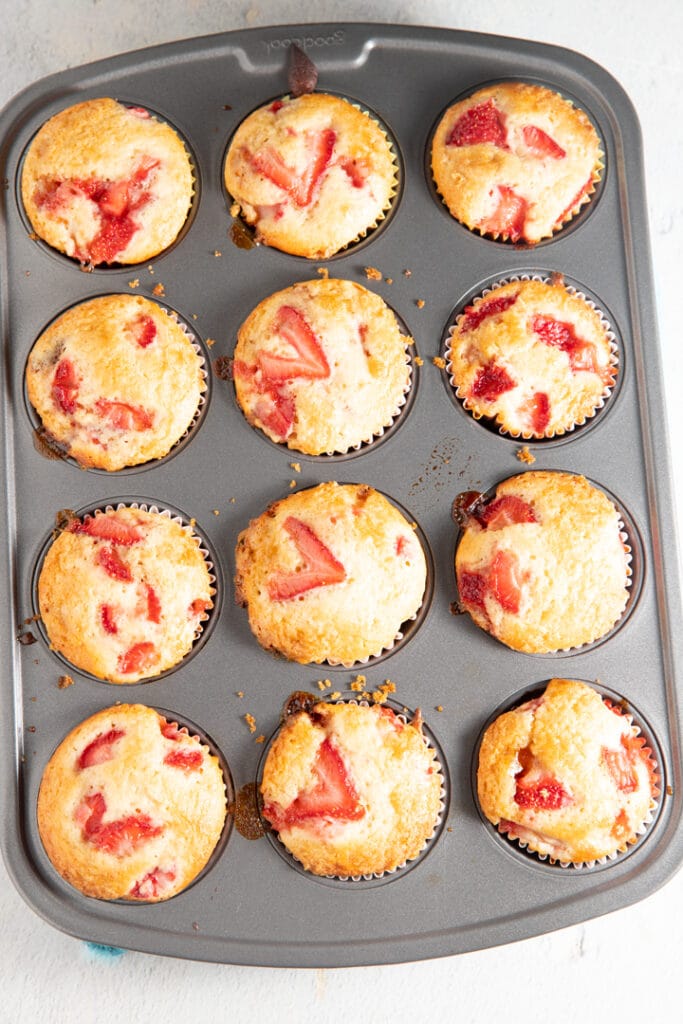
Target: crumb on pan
x: 251, y: 722
x: 372, y: 273
x: 524, y: 455
x: 64, y: 681
x: 439, y: 361
x: 158, y: 289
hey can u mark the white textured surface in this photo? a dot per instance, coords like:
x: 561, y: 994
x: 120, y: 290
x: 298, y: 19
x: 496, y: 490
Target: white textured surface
x: 623, y: 967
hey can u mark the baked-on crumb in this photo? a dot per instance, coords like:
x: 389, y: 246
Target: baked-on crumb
x: 524, y: 455
x: 373, y: 274
x: 439, y: 361
x: 251, y: 722
x: 420, y: 303
x: 419, y: 361
x: 296, y: 466
x: 324, y: 272
x: 135, y: 283
x: 358, y: 684
x: 158, y: 289
x: 64, y: 681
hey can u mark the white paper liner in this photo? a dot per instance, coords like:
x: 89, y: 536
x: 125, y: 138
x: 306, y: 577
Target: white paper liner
x: 411, y: 860
x: 560, y: 431
x: 617, y: 854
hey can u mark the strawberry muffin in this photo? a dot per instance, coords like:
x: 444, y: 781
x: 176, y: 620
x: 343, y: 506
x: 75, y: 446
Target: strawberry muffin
x: 130, y: 806
x: 330, y: 574
x: 311, y: 174
x: 515, y: 161
x: 567, y: 775
x: 107, y: 183
x: 116, y: 381
x: 321, y: 366
x: 533, y: 356
x: 144, y: 589
x: 351, y: 790
x: 543, y: 565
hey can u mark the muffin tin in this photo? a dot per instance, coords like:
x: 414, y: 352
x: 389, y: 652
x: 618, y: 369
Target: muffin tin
x: 469, y: 892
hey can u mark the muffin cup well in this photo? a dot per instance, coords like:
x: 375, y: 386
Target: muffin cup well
x: 208, y: 618
x: 491, y: 423
x: 517, y: 847
x: 354, y: 883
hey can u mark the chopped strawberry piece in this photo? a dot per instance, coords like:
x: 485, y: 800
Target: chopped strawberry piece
x: 541, y: 794
x: 621, y: 828
x: 243, y: 370
x: 115, y: 199
x: 508, y: 217
x: 138, y: 658
x: 198, y: 607
x: 535, y: 412
x: 100, y: 750
x: 505, y: 511
x: 171, y: 731
x: 621, y: 763
x: 188, y: 760
x: 491, y: 381
x: 540, y: 144
x: 153, y: 604
x: 120, y: 837
x: 504, y: 580
x: 153, y: 885
x: 65, y: 385
x: 277, y: 105
x: 145, y: 330
x: 296, y: 331
x: 299, y: 184
x: 332, y: 796
x: 320, y: 569
x: 390, y: 716
x: 473, y: 588
x: 357, y: 170
x: 476, y: 314
x: 483, y: 123
x: 276, y: 410
x: 402, y: 545
x: 582, y: 354
x: 122, y: 416
x: 113, y: 565
x: 108, y: 619
x: 108, y: 527
x: 139, y: 112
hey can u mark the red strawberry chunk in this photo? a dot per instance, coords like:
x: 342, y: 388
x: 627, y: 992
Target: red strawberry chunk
x: 108, y: 619
x: 122, y: 416
x: 153, y: 884
x: 100, y: 750
x: 108, y: 527
x: 508, y: 217
x: 505, y: 511
x: 297, y: 332
x: 357, y: 170
x: 535, y: 412
x: 540, y: 144
x: 490, y: 382
x: 138, y: 658
x: 320, y: 568
x: 300, y: 184
x: 188, y: 760
x: 153, y: 604
x: 541, y: 794
x: 65, y: 385
x: 145, y: 330
x: 198, y: 607
x: 582, y: 354
x: 115, y: 198
x: 109, y: 559
x: 473, y: 588
x: 483, y: 123
x: 620, y: 763
x: 476, y: 314
x: 120, y: 837
x: 276, y: 410
x: 584, y: 190
x: 333, y: 795
x: 117, y: 202
x: 504, y: 580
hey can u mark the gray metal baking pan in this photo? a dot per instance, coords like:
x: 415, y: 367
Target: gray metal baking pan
x: 471, y: 890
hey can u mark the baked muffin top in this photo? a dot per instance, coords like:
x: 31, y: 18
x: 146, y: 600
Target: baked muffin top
x: 116, y: 381
x: 144, y: 588
x: 567, y: 774
x: 351, y: 789
x: 330, y: 574
x: 130, y: 806
x: 532, y: 355
x: 312, y: 174
x: 322, y: 366
x: 107, y: 183
x: 542, y: 565
x: 515, y: 161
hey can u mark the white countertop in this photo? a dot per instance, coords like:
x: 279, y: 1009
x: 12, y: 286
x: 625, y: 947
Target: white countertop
x: 622, y: 967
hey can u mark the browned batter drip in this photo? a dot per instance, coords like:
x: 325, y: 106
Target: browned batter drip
x: 241, y: 236
x: 466, y: 506
x: 246, y: 816
x: 46, y: 445
x: 299, y: 700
